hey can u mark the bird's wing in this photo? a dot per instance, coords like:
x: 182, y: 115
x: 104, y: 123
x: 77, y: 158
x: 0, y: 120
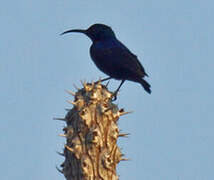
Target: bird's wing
x: 138, y: 63
x: 119, y: 58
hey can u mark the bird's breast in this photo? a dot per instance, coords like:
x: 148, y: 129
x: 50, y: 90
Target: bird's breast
x: 100, y: 49
x: 102, y: 55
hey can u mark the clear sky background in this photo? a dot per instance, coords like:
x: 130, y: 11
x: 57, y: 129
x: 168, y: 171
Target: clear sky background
x: 171, y: 129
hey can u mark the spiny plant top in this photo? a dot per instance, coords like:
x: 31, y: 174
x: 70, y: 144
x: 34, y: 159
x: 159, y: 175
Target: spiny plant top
x: 91, y: 150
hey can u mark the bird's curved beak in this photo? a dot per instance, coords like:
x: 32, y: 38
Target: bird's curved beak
x: 75, y: 30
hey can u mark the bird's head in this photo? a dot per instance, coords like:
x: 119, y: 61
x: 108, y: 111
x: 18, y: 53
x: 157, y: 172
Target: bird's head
x: 96, y: 32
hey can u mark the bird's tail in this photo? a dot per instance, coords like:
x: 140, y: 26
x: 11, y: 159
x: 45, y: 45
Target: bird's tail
x: 145, y: 85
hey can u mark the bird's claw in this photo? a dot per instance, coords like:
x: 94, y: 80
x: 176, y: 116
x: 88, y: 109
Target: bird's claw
x: 114, y: 96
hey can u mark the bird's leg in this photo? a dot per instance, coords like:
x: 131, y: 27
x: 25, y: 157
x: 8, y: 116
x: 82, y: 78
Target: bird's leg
x: 105, y: 79
x: 107, y: 83
x: 115, y: 92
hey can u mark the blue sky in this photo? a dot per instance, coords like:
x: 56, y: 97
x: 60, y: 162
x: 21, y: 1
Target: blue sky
x: 171, y: 129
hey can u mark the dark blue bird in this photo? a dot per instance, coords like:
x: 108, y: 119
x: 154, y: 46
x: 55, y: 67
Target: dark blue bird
x: 112, y: 57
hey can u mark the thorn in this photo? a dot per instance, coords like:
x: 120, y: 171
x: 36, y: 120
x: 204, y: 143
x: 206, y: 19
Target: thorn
x: 61, y: 154
x: 63, y: 135
x: 125, y: 159
x: 70, y: 92
x: 83, y: 83
x: 71, y: 102
x: 92, y: 83
x: 59, y: 170
x: 69, y: 148
x: 76, y: 87
x: 122, y: 112
x: 124, y: 135
x: 60, y: 119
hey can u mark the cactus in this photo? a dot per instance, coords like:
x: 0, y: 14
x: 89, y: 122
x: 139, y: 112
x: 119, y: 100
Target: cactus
x: 91, y: 151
